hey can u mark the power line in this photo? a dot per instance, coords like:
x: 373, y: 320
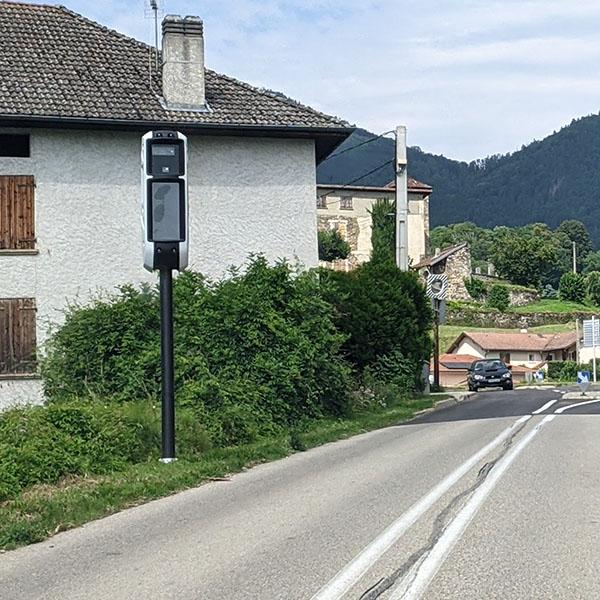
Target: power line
x: 382, y: 166
x: 356, y: 146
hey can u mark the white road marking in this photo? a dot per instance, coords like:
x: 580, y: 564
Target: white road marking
x: 545, y: 407
x: 362, y: 562
x: 562, y: 409
x: 456, y: 528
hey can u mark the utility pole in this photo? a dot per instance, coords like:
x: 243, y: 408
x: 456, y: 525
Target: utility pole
x: 574, y: 257
x: 401, y: 200
x: 436, y: 338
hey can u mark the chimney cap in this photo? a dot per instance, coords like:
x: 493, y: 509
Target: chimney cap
x: 186, y: 26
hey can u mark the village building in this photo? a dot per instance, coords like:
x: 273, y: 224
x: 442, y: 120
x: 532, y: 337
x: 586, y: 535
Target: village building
x: 526, y: 349
x: 75, y: 99
x: 347, y: 210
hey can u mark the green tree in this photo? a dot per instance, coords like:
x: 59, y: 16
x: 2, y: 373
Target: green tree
x: 525, y: 255
x: 567, y: 233
x: 592, y: 287
x: 332, y: 246
x: 498, y: 297
x: 480, y: 240
x: 383, y: 233
x: 572, y: 287
x: 591, y: 262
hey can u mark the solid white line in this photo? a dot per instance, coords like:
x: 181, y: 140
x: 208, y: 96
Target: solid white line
x: 570, y: 406
x: 456, y: 528
x: 360, y: 564
x: 545, y: 407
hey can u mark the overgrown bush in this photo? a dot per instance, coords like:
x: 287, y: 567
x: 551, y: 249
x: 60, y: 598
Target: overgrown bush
x: 254, y: 352
x: 592, y: 287
x: 476, y: 288
x: 572, y: 287
x: 383, y: 312
x: 332, y: 246
x: 498, y: 297
x: 565, y: 370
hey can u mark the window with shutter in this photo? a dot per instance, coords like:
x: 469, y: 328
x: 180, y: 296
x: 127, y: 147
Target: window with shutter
x: 17, y: 336
x: 17, y: 212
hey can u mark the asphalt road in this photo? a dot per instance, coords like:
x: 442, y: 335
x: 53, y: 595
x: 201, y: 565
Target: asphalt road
x: 498, y: 497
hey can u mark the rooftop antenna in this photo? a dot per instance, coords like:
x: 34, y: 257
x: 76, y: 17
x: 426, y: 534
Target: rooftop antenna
x: 154, y: 10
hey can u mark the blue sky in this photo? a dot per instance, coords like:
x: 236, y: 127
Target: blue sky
x: 468, y: 78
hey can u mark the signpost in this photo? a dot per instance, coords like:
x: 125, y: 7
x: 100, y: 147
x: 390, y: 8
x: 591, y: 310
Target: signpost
x: 437, y: 289
x: 165, y: 240
x: 591, y: 336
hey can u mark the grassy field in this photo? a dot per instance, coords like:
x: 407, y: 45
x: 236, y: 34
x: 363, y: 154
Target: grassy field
x: 448, y: 333
x: 554, y: 306
x: 43, y: 510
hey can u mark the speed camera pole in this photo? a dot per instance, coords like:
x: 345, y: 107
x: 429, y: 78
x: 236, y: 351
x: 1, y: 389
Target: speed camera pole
x: 436, y: 355
x: 165, y: 225
x: 167, y: 364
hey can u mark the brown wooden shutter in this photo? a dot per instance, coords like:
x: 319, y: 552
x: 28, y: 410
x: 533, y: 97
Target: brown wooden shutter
x: 17, y: 335
x: 17, y: 212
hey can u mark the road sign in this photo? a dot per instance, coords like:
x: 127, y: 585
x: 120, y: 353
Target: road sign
x: 583, y: 381
x: 591, y: 332
x: 437, y: 286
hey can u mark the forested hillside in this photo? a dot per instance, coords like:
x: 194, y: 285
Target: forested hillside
x: 547, y: 181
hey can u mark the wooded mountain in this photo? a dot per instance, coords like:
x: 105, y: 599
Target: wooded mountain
x: 547, y: 181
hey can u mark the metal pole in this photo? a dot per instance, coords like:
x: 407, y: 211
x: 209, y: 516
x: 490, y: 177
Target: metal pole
x: 577, y: 340
x: 167, y: 366
x: 574, y: 257
x: 401, y: 200
x: 436, y: 355
x: 594, y: 345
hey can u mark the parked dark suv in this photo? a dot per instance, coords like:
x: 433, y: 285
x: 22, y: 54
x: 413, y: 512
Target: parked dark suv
x: 491, y: 372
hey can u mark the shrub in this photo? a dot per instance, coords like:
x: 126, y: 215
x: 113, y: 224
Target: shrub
x: 382, y: 311
x: 592, y: 287
x: 498, y: 297
x: 332, y: 245
x: 383, y: 231
x: 476, y: 288
x: 572, y: 287
x: 263, y: 341
x: 565, y: 370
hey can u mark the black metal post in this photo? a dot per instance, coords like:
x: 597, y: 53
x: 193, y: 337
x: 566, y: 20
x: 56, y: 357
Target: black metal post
x: 167, y: 365
x: 436, y: 355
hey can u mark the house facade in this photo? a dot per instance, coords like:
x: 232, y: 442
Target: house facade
x: 530, y: 350
x: 346, y: 209
x: 72, y: 114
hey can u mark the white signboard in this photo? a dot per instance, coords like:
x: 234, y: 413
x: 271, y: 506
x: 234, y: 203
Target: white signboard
x: 591, y: 332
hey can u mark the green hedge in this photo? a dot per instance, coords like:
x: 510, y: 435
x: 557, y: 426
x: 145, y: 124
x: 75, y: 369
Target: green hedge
x: 565, y: 370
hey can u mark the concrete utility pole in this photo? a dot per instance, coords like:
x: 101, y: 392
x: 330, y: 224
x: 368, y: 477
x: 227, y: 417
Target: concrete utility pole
x: 574, y: 257
x: 401, y: 200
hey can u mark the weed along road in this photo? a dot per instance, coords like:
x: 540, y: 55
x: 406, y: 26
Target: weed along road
x: 496, y: 497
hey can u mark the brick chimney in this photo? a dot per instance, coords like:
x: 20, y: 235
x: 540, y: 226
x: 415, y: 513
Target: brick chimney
x: 183, y: 63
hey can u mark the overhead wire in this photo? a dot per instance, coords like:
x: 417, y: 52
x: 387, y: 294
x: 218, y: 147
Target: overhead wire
x: 357, y: 146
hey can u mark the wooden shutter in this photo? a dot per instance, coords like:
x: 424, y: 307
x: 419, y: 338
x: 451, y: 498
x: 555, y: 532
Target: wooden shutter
x: 17, y: 212
x: 17, y: 336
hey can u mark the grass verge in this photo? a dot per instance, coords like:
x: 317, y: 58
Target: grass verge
x: 43, y: 510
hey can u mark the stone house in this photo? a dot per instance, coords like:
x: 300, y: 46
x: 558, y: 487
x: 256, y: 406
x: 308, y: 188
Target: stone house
x: 346, y: 209
x: 75, y: 99
x: 455, y: 263
x: 523, y: 349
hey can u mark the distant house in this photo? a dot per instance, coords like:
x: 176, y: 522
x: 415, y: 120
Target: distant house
x: 523, y: 349
x: 455, y: 263
x: 346, y: 209
x: 75, y: 99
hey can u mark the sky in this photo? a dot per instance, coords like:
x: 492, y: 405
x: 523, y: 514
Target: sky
x: 468, y: 78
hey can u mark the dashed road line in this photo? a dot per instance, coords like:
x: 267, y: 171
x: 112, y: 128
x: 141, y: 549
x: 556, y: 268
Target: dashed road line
x: 570, y: 406
x: 545, y: 407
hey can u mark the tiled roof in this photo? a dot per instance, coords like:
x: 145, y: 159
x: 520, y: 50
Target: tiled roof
x: 413, y: 184
x: 56, y: 63
x: 534, y: 342
x: 443, y: 255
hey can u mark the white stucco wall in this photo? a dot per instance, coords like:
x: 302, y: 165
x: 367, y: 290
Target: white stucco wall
x: 246, y: 195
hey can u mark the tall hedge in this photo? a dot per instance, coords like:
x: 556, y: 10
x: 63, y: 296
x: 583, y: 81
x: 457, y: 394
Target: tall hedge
x: 258, y: 348
x: 383, y: 311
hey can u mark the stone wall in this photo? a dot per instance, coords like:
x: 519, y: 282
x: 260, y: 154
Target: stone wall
x: 518, y: 297
x: 349, y: 229
x: 458, y: 268
x: 466, y: 317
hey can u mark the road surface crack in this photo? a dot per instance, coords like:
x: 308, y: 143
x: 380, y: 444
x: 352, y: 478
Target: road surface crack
x: 439, y: 526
